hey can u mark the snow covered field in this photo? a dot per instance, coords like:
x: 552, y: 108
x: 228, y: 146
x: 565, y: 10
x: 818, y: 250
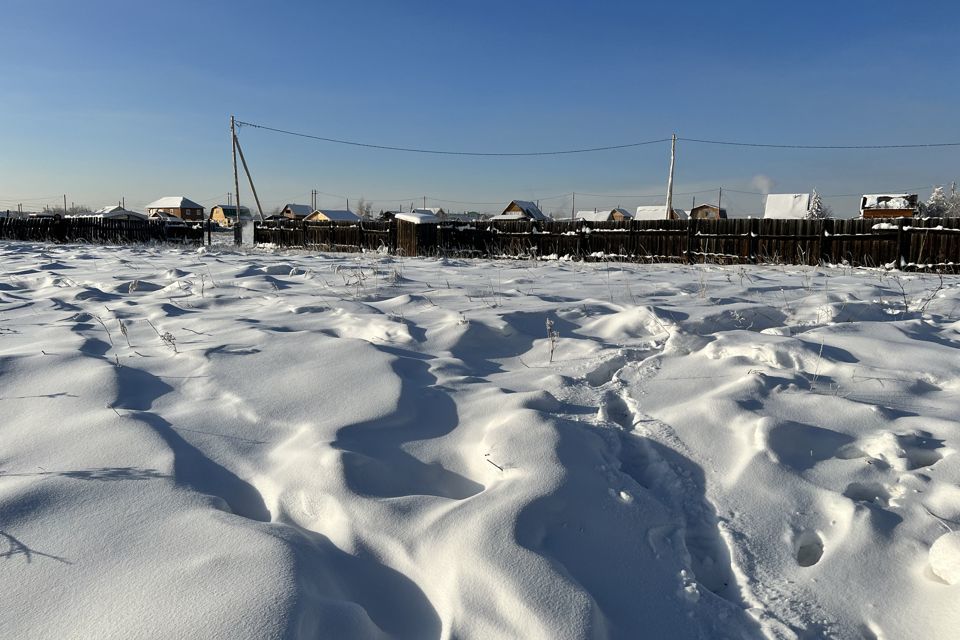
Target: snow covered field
x: 226, y: 445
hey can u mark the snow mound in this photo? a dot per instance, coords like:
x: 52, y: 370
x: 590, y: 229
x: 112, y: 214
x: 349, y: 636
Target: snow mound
x: 945, y: 557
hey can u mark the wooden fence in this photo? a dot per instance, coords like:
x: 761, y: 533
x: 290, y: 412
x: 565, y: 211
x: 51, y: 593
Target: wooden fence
x: 921, y: 243
x: 95, y: 230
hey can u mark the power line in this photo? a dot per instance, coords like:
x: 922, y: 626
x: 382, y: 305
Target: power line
x: 818, y: 146
x: 450, y: 153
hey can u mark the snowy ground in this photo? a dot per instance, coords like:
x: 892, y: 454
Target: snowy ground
x: 227, y: 445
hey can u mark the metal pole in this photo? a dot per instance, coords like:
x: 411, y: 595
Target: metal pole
x: 236, y: 178
x: 673, y: 158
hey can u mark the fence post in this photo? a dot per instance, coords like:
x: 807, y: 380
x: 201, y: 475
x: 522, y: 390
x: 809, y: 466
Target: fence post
x: 826, y: 241
x: 754, y: 240
x: 903, y: 243
x: 691, y: 235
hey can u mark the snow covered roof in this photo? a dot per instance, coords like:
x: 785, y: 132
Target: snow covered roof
x: 417, y: 217
x: 340, y: 215
x: 174, y: 202
x: 436, y: 211
x: 657, y: 212
x: 298, y: 209
x: 529, y: 208
x: 601, y: 215
x: 889, y: 201
x: 792, y: 206
x: 163, y: 215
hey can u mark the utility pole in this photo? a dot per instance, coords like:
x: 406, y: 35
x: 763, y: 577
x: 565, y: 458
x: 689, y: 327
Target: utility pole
x: 694, y: 205
x: 348, y: 203
x: 719, y: 201
x: 236, y: 178
x: 573, y: 206
x: 64, y: 204
x: 424, y: 202
x: 673, y: 159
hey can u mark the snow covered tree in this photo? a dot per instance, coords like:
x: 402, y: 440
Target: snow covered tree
x: 953, y: 203
x: 937, y: 205
x: 818, y: 210
x: 364, y: 209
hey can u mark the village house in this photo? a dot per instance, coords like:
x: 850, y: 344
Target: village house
x: 603, y: 215
x: 898, y: 205
x: 521, y: 210
x: 296, y: 211
x: 178, y: 206
x: 708, y: 212
x: 787, y: 206
x: 658, y: 212
x: 333, y: 215
x: 226, y: 214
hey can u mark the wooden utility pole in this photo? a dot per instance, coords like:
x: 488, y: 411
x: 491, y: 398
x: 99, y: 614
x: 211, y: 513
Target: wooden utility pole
x: 236, y: 178
x: 673, y: 159
x: 719, y: 200
x: 246, y: 170
x: 573, y: 207
x: 64, y: 204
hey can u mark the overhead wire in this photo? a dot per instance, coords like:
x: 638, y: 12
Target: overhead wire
x: 448, y: 152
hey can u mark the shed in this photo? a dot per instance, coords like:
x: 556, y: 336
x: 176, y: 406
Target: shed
x: 787, y: 206
x: 333, y: 215
x: 890, y: 205
x: 179, y: 206
x: 296, y: 211
x: 167, y: 218
x: 658, y: 212
x: 115, y: 212
x: 521, y: 210
x: 415, y: 230
x: 226, y: 214
x: 708, y: 212
x: 437, y: 211
x: 602, y: 215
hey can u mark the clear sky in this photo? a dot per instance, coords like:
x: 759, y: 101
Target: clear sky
x: 103, y: 100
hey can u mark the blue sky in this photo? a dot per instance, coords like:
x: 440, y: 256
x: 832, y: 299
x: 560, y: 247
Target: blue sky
x: 110, y: 99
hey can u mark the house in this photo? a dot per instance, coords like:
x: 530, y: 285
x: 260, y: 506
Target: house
x: 708, y: 212
x: 787, y: 206
x: 467, y: 216
x: 296, y: 211
x: 226, y: 214
x: 658, y: 212
x: 333, y: 215
x: 897, y: 205
x: 602, y: 215
x: 521, y: 210
x: 179, y: 206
